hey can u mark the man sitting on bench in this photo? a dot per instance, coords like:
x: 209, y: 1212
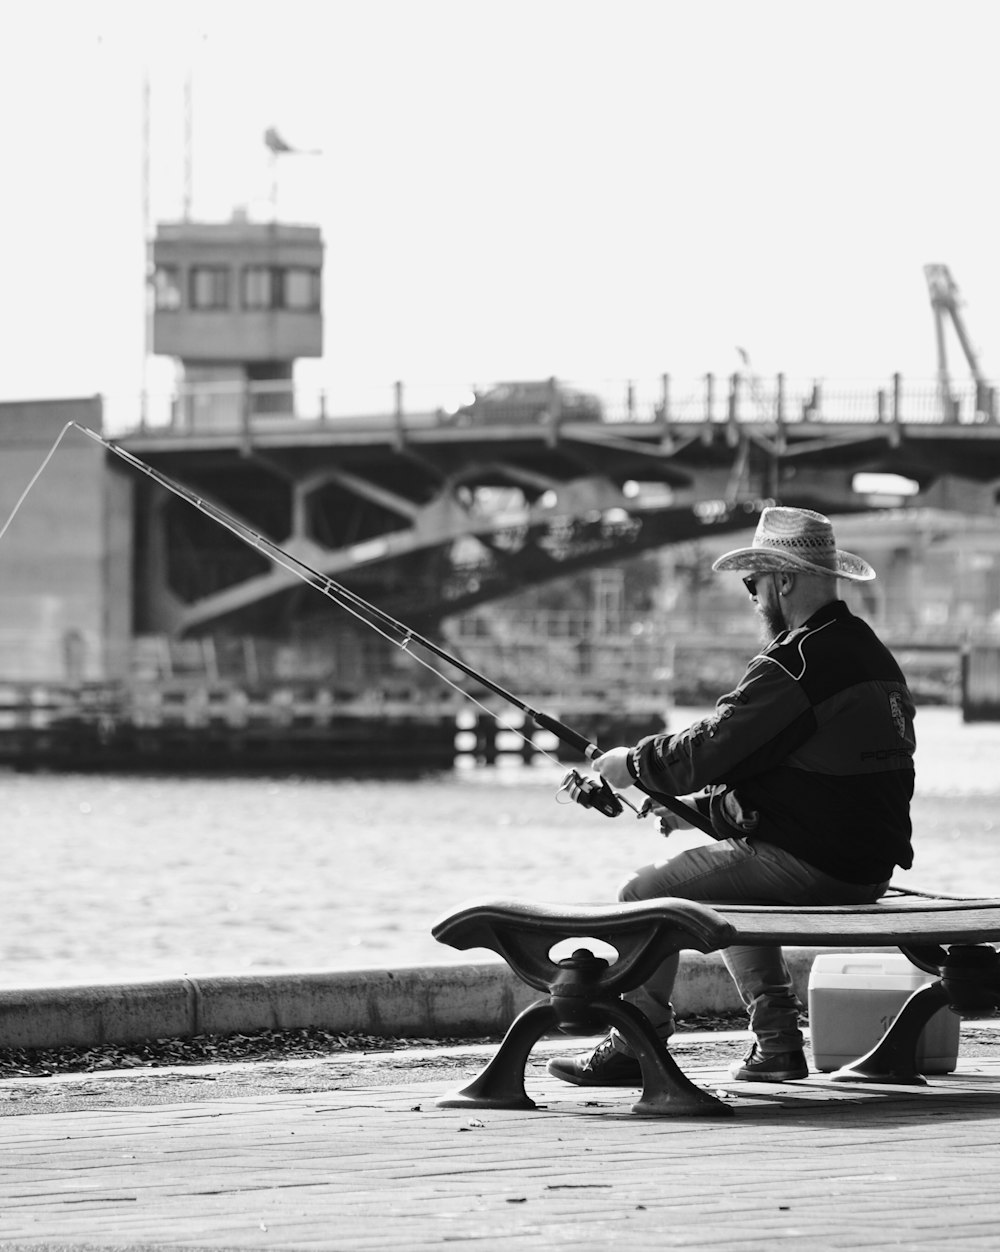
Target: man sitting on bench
x: 806, y: 773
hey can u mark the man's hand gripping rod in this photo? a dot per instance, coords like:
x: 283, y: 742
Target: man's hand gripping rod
x: 592, y: 793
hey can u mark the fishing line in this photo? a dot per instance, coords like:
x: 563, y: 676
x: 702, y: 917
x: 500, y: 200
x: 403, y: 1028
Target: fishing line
x: 35, y: 477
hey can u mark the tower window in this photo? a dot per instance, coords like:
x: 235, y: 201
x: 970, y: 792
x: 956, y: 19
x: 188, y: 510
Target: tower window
x: 167, y: 287
x: 209, y: 287
x: 281, y: 287
x: 301, y: 289
x: 259, y: 287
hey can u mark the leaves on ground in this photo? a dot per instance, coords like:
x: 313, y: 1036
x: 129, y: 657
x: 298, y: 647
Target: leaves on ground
x: 265, y: 1045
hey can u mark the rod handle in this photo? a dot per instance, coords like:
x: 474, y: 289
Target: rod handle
x: 572, y: 738
x: 687, y: 811
x: 566, y: 734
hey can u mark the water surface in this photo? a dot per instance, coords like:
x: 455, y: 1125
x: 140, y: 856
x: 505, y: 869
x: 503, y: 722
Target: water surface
x: 114, y: 877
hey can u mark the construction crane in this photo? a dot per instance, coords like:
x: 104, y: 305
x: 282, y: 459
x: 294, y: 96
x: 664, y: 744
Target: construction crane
x: 945, y: 302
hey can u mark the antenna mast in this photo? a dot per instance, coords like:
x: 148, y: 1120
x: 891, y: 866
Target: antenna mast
x: 188, y: 144
x: 147, y: 276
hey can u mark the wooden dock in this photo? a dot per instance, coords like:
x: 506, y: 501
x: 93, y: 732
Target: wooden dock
x: 191, y: 724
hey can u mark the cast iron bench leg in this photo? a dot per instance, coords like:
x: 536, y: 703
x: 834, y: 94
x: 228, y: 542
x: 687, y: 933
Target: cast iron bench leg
x: 969, y: 983
x: 894, y: 1057
x: 501, y: 1084
x: 666, y: 1089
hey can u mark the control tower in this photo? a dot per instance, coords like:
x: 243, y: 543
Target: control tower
x: 235, y: 304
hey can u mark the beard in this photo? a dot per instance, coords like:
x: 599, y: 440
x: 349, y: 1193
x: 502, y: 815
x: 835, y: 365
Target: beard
x: 771, y: 622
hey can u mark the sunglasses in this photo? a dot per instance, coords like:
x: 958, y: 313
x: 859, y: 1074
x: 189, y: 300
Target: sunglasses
x: 750, y: 582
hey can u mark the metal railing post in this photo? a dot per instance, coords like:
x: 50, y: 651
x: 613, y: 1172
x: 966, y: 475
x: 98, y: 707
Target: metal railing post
x: 555, y: 412
x: 897, y: 408
x: 706, y: 434
x: 666, y: 439
x: 779, y: 412
x: 397, y: 413
x: 732, y: 411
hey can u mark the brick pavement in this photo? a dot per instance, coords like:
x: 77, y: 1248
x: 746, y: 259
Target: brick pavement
x: 379, y: 1167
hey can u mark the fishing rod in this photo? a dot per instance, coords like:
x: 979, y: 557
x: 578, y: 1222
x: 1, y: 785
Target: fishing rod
x: 587, y: 792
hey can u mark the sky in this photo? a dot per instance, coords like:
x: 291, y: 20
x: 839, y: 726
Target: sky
x: 514, y: 189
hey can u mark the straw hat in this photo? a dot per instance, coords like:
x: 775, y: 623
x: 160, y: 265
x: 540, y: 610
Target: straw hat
x: 796, y: 540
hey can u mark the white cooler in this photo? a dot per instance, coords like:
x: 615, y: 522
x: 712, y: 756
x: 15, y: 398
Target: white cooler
x: 854, y: 997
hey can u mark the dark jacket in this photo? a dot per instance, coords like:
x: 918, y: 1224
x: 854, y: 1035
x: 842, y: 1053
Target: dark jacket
x: 812, y: 752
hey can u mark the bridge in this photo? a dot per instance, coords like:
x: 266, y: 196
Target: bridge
x: 429, y: 517
x: 147, y: 600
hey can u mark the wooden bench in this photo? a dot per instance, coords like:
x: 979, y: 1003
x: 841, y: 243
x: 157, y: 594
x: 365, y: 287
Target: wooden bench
x: 943, y: 936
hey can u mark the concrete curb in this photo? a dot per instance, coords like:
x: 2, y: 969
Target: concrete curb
x: 433, y: 1001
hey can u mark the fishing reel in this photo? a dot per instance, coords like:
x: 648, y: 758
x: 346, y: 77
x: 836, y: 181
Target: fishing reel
x: 591, y: 793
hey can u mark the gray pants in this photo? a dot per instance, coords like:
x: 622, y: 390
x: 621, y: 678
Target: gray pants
x: 741, y: 871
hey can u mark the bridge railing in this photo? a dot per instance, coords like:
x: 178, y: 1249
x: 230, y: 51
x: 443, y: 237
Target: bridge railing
x: 207, y: 407
x: 743, y: 399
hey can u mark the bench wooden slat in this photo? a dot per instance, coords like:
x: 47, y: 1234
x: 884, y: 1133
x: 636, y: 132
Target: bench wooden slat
x: 891, y: 904
x: 886, y: 924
